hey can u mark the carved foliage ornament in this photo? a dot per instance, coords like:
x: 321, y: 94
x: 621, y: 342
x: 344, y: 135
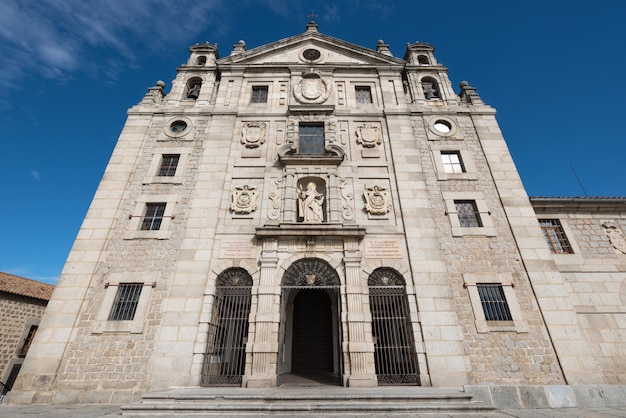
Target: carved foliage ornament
x: 616, y: 236
x: 312, y: 88
x: 253, y: 134
x: 377, y: 200
x: 368, y: 135
x: 244, y: 200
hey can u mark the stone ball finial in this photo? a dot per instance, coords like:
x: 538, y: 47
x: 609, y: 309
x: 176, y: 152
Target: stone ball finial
x: 160, y: 83
x: 241, y: 42
x: 463, y: 84
x: 380, y: 42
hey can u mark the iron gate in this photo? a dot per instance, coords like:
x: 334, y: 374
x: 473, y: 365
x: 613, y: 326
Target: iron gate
x: 225, y: 357
x: 394, y: 353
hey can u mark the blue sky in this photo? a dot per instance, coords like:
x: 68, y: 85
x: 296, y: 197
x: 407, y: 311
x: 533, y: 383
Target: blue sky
x: 554, y: 70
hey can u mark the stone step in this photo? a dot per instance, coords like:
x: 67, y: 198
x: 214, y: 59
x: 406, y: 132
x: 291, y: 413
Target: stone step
x: 304, y: 401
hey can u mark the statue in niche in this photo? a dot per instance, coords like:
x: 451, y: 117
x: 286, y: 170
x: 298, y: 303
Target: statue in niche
x: 244, y: 200
x: 376, y: 199
x: 253, y: 134
x: 311, y: 204
x: 368, y: 135
x: 616, y: 236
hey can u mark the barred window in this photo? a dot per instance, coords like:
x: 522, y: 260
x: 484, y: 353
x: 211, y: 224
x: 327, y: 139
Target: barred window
x: 452, y: 162
x: 555, y: 236
x: 494, y: 302
x: 259, y: 94
x: 311, y: 139
x: 363, y: 94
x: 126, y: 300
x: 467, y: 212
x: 153, y: 217
x: 169, y: 162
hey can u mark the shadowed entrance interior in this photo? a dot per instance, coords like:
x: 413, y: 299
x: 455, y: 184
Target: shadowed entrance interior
x: 312, y: 333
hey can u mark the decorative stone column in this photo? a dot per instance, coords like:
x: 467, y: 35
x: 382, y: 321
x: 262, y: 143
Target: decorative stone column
x: 358, y: 346
x: 265, y: 322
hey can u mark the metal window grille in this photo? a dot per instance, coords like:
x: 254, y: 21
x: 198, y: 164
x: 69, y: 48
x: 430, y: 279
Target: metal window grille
x: 452, y: 162
x: 494, y: 302
x: 169, y: 162
x: 259, y: 94
x: 363, y: 94
x: 153, y: 217
x: 468, y: 213
x: 555, y: 236
x: 126, y: 300
x: 311, y: 139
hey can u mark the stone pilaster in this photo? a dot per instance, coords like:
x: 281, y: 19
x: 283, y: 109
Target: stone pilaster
x: 265, y: 322
x: 358, y: 347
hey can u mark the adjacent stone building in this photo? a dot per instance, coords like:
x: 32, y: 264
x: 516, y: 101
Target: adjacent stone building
x: 312, y: 206
x: 22, y: 304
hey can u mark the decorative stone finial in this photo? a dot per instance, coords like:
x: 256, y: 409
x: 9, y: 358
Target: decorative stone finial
x: 383, y: 48
x: 160, y: 83
x: 239, y: 47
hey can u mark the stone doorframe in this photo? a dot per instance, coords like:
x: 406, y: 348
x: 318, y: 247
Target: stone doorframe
x: 355, y: 332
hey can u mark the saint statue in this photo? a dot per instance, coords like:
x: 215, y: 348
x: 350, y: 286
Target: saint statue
x: 311, y: 203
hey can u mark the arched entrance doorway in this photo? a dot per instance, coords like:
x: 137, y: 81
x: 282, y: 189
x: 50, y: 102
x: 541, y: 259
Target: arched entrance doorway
x: 310, y: 324
x: 394, y: 350
x: 225, y: 356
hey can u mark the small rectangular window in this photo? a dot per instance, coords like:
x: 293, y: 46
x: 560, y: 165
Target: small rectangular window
x: 467, y: 212
x: 153, y: 217
x: 311, y: 139
x: 28, y: 341
x: 494, y: 302
x: 126, y: 301
x: 363, y: 94
x: 555, y: 236
x: 169, y: 162
x: 259, y: 94
x: 452, y: 162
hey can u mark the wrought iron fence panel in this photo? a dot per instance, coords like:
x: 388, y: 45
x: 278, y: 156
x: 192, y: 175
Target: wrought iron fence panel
x: 394, y: 352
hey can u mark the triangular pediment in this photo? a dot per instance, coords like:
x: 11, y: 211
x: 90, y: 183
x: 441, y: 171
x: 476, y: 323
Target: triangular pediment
x: 290, y: 50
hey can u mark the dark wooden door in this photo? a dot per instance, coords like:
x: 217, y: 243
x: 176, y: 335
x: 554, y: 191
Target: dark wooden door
x: 312, y: 332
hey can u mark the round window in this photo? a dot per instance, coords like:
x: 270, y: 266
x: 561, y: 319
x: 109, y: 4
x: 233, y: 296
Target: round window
x: 311, y: 54
x: 442, y: 126
x: 178, y: 126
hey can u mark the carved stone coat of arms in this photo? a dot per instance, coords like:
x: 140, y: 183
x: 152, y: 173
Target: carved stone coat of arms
x: 244, y: 200
x: 368, y: 135
x: 377, y: 200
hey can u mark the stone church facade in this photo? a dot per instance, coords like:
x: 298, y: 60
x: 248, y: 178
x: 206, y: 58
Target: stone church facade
x: 312, y: 206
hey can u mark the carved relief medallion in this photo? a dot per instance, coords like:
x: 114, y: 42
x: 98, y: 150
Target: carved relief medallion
x: 368, y: 135
x: 377, y: 200
x: 616, y: 236
x: 312, y: 88
x: 253, y: 134
x: 244, y: 200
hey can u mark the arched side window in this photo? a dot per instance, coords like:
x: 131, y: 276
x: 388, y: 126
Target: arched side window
x: 193, y: 88
x: 225, y: 356
x: 430, y: 88
x: 394, y: 349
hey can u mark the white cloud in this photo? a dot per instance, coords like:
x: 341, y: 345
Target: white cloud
x: 35, y: 174
x: 54, y: 37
